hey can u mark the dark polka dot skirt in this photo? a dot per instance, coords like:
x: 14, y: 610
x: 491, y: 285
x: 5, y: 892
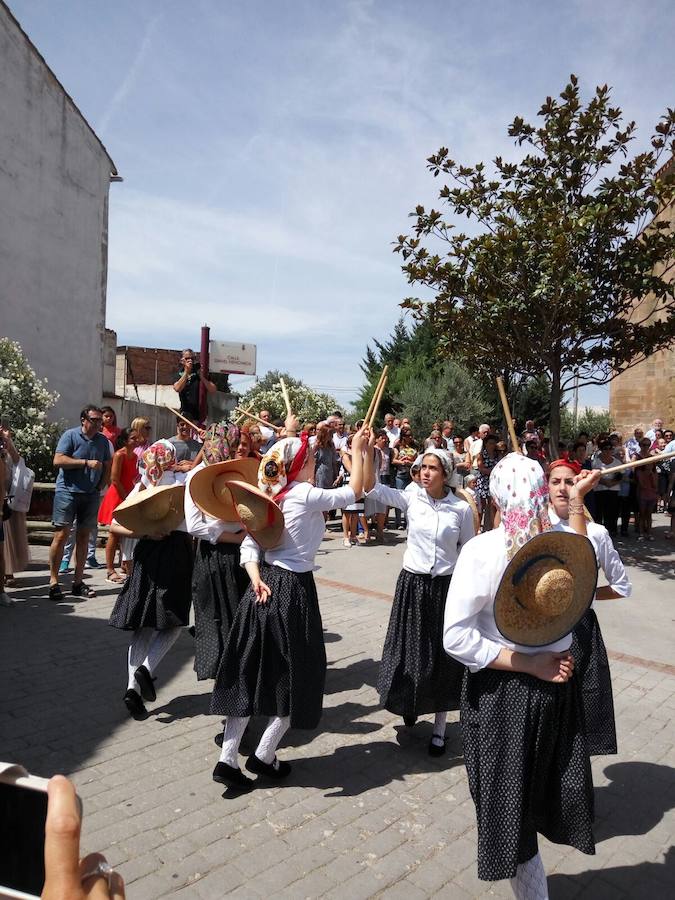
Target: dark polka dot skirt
x: 218, y: 584
x: 158, y: 592
x: 528, y: 767
x: 274, y: 662
x: 416, y: 675
x: 592, y: 675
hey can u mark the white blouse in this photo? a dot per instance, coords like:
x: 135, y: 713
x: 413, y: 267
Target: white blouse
x: 304, y: 527
x: 437, y: 529
x: 608, y: 559
x: 470, y: 633
x: 199, y: 524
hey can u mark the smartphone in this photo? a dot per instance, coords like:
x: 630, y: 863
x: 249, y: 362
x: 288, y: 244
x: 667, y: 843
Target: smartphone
x: 23, y: 813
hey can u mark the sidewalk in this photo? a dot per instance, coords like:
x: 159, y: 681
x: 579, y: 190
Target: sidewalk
x: 366, y: 812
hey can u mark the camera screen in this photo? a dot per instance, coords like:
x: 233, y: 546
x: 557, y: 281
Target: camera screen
x: 23, y: 813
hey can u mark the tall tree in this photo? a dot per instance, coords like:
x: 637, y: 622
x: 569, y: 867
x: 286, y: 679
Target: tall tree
x: 553, y: 280
x: 307, y: 404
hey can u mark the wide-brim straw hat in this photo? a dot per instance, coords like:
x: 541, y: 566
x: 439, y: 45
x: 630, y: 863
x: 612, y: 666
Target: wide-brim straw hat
x: 209, y: 487
x: 546, y: 589
x: 155, y: 510
x: 258, y: 513
x: 461, y: 494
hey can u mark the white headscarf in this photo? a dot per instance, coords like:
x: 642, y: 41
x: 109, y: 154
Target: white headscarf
x: 519, y: 488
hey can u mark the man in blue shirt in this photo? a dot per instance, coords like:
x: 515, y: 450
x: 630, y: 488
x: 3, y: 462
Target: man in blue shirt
x: 83, y: 458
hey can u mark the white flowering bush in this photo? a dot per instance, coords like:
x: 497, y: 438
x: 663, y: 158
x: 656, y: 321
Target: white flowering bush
x: 24, y: 403
x: 307, y: 405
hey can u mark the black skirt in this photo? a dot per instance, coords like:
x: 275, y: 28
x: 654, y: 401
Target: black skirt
x: 218, y: 584
x: 528, y: 767
x: 157, y: 593
x: 274, y: 663
x: 591, y: 672
x: 416, y: 674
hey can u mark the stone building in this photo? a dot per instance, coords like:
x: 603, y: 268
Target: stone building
x: 647, y: 391
x: 54, y: 180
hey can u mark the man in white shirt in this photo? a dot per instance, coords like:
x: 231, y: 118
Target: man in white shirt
x: 657, y: 424
x: 393, y: 433
x: 339, y: 436
x: 267, y: 433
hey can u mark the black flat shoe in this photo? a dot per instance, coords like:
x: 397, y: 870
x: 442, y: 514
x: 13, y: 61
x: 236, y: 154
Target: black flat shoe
x: 435, y: 749
x: 145, y: 679
x: 218, y: 739
x: 281, y: 770
x: 134, y: 704
x: 231, y: 777
x: 409, y: 721
x: 55, y: 592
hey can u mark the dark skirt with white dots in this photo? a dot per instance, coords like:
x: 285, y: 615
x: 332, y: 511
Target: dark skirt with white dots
x: 416, y: 674
x: 591, y: 672
x: 274, y: 662
x: 158, y: 592
x: 218, y: 584
x: 528, y: 767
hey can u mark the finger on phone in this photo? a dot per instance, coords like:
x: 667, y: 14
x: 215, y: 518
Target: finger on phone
x: 62, y: 833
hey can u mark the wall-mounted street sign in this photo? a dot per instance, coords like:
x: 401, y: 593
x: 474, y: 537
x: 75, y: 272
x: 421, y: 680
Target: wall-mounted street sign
x: 232, y: 359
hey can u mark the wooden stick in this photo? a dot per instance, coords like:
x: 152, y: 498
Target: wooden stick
x: 378, y: 400
x: 287, y: 401
x: 372, y: 399
x: 507, y: 415
x: 181, y: 416
x: 650, y: 460
x: 250, y: 415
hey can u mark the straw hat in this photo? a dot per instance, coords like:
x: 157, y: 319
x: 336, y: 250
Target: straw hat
x: 156, y: 510
x: 546, y: 589
x: 461, y: 494
x: 258, y: 513
x: 209, y: 487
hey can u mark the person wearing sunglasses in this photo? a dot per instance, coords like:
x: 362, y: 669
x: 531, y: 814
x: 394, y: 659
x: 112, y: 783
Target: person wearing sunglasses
x: 83, y: 458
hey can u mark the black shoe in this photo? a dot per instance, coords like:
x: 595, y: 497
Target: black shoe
x: 434, y: 749
x: 145, y: 679
x: 231, y: 777
x: 133, y: 702
x: 55, y: 592
x: 191, y: 630
x: 218, y: 739
x: 409, y: 721
x: 281, y: 770
x: 82, y: 590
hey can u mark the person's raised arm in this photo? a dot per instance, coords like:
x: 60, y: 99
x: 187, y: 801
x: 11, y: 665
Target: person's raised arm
x: 583, y: 483
x: 359, y: 443
x: 368, y: 463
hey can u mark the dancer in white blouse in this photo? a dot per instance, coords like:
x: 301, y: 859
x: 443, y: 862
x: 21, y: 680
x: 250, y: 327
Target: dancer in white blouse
x: 416, y: 675
x: 524, y: 746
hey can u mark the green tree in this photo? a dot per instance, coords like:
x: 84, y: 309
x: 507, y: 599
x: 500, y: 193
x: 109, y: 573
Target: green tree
x: 25, y: 401
x: 307, y: 405
x: 548, y: 281
x: 592, y: 421
x: 446, y: 390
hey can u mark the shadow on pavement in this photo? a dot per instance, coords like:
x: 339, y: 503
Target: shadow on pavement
x: 643, y: 881
x: 353, y: 677
x: 655, y: 557
x: 636, y: 800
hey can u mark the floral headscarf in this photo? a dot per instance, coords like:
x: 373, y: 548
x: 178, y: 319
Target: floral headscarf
x: 280, y: 466
x: 159, y: 458
x: 519, y: 488
x: 220, y: 443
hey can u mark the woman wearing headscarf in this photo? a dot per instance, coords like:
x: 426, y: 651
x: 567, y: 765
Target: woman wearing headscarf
x: 416, y: 675
x: 155, y: 600
x: 274, y: 663
x: 524, y: 746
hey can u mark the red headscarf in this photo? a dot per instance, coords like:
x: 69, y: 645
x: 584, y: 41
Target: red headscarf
x: 568, y: 463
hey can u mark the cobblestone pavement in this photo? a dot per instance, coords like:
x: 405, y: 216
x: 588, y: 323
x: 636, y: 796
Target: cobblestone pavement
x: 366, y: 812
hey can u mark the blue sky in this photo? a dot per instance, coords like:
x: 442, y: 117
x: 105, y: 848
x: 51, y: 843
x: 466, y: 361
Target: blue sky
x: 271, y: 151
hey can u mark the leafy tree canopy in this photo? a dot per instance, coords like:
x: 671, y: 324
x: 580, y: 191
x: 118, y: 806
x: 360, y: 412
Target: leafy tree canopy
x: 548, y: 282
x: 307, y: 405
x: 592, y: 421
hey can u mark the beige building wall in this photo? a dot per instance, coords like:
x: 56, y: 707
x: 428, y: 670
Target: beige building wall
x: 647, y: 391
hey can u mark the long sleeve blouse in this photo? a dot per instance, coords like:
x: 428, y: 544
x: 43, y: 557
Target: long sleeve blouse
x: 199, y: 524
x: 437, y: 529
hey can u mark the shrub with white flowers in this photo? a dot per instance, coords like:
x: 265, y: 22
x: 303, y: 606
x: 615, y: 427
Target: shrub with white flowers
x: 307, y: 405
x: 24, y: 403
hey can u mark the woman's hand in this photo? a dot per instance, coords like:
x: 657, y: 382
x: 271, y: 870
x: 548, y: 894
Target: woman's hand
x: 585, y: 482
x: 292, y: 425
x: 555, y: 667
x: 360, y: 439
x: 262, y: 591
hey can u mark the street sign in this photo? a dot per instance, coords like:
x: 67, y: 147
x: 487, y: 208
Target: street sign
x: 232, y: 359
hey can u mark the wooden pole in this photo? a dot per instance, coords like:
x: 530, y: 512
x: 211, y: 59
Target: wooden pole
x: 287, y: 401
x: 382, y: 377
x: 181, y: 416
x: 378, y: 400
x: 507, y: 415
x: 250, y: 415
x: 650, y: 460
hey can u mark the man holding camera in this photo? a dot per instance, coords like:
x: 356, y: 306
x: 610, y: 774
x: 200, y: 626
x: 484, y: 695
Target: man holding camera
x: 187, y: 386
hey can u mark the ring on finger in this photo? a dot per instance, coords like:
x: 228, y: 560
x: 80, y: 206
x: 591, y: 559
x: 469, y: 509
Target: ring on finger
x: 101, y: 868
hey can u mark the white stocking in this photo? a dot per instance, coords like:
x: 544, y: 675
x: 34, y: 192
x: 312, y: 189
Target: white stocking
x: 235, y: 726
x: 530, y: 881
x: 138, y: 649
x: 161, y: 643
x: 439, y: 728
x: 271, y: 738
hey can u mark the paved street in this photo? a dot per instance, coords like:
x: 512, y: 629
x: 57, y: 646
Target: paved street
x: 366, y: 812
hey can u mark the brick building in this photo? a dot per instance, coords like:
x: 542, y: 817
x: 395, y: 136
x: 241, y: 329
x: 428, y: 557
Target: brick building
x: 647, y: 391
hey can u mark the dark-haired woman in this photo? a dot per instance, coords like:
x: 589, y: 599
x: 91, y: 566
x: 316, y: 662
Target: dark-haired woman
x: 123, y: 476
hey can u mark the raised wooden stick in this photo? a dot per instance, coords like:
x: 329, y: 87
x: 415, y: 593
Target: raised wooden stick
x: 507, y: 415
x: 378, y: 400
x: 250, y: 415
x: 181, y: 416
x: 383, y: 376
x: 650, y: 460
x: 287, y: 401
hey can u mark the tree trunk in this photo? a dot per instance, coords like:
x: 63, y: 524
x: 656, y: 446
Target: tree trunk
x: 555, y: 412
